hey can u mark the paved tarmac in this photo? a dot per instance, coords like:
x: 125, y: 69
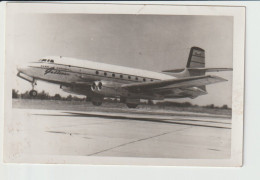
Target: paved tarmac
x: 121, y: 134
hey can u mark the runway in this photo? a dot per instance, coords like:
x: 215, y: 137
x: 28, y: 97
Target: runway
x: 136, y: 133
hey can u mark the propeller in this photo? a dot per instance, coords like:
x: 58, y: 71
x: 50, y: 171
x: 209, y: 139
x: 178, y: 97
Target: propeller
x: 97, y: 85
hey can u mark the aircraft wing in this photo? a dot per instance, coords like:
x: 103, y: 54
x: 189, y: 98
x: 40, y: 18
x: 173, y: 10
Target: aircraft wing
x: 174, y: 83
x: 78, y: 84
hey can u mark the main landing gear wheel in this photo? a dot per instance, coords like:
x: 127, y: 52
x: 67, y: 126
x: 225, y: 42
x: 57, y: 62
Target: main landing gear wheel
x: 88, y: 98
x: 97, y: 100
x: 131, y: 105
x: 33, y: 93
x: 97, y: 103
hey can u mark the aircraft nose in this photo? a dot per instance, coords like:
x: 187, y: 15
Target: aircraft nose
x: 21, y: 68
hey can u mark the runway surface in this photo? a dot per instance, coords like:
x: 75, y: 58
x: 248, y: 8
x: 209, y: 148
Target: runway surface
x: 136, y: 133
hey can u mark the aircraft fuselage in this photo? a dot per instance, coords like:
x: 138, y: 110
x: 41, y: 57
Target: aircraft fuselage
x: 97, y: 79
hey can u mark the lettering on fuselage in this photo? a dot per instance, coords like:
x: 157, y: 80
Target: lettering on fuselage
x: 52, y: 70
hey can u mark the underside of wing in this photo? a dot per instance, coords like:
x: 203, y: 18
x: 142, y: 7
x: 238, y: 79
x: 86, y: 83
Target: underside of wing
x: 174, y: 83
x: 79, y: 88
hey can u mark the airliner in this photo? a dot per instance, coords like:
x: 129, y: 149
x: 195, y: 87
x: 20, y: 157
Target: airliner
x: 99, y: 80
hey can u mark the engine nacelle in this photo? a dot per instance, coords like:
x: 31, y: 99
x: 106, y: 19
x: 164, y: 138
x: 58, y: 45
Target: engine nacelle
x: 107, y: 89
x: 96, y: 86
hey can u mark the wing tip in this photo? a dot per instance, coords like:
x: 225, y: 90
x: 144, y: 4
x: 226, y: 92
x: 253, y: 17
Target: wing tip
x: 220, y: 79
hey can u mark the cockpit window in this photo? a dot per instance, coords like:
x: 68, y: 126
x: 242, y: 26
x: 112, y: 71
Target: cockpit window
x: 47, y: 60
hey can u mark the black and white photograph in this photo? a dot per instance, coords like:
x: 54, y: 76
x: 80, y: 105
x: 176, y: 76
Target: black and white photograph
x: 137, y: 85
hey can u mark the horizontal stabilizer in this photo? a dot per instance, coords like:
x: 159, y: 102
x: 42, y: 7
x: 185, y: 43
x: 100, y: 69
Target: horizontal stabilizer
x: 174, y: 70
x: 210, y: 69
x: 199, y: 69
x: 175, y: 83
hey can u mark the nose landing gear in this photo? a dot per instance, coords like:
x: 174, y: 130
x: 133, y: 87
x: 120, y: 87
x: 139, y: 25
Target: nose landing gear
x: 33, y: 93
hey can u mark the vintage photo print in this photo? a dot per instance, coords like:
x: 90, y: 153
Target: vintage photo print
x: 124, y: 84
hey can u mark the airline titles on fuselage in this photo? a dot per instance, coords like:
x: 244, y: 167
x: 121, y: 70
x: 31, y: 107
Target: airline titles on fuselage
x: 53, y: 70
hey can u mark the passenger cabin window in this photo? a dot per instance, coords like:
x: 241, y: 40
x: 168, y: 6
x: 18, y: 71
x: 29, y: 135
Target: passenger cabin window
x: 121, y: 76
x: 105, y: 74
x: 136, y: 78
x: 144, y: 79
x: 151, y: 79
x: 97, y: 72
x: 129, y: 77
x: 47, y: 60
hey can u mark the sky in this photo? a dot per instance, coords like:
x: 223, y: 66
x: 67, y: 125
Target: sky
x: 150, y: 42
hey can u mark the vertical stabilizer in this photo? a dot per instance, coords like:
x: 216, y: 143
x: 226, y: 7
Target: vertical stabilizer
x: 196, y: 58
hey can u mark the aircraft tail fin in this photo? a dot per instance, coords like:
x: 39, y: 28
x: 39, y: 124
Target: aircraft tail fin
x: 196, y: 60
x: 195, y: 66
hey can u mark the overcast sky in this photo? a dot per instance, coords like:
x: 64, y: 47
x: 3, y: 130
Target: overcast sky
x: 150, y: 42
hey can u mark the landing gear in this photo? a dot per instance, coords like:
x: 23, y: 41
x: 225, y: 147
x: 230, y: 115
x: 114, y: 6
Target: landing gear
x: 122, y: 99
x: 97, y: 101
x: 33, y: 93
x: 129, y: 105
x: 88, y: 98
x: 132, y: 103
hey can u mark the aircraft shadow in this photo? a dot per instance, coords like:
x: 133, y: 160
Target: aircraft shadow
x: 147, y: 119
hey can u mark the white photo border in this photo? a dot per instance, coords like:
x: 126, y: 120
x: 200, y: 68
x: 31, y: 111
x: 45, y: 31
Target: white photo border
x: 238, y: 14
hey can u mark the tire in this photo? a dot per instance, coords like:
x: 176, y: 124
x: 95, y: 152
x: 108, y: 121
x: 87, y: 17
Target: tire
x: 88, y: 98
x: 97, y: 100
x: 131, y: 105
x: 97, y: 103
x: 122, y: 99
x: 33, y: 93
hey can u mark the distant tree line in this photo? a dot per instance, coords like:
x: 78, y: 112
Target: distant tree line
x: 188, y: 104
x: 45, y: 96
